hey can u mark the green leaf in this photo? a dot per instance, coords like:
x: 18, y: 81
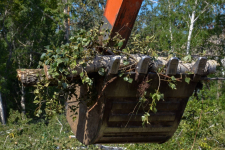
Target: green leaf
x: 173, y: 78
x: 187, y: 79
x: 125, y: 62
x: 154, y: 110
x: 54, y: 65
x: 36, y: 91
x: 64, y: 85
x: 101, y: 71
x: 81, y: 49
x: 81, y: 74
x: 142, y: 99
x: 47, y: 47
x: 137, y: 35
x: 125, y: 79
x: 162, y: 96
x: 46, y: 84
x: 84, y: 65
x: 144, y: 118
x: 50, y: 52
x: 46, y: 62
x: 158, y: 97
x: 58, y: 50
x: 121, y: 74
x: 61, y: 69
x: 172, y: 86
x: 36, y: 101
x: 130, y: 80
x: 66, y: 60
x: 43, y: 56
x: 187, y: 58
x: 87, y: 79
x: 120, y: 44
x: 74, y: 72
x: 150, y: 107
x: 125, y: 50
x: 59, y: 61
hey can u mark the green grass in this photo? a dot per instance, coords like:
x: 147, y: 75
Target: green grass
x: 203, y: 119
x: 37, y: 134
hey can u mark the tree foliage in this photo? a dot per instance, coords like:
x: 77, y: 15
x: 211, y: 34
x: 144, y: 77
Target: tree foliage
x: 162, y: 29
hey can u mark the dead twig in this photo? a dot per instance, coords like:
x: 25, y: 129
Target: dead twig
x: 5, y: 140
x: 169, y: 77
x: 60, y: 124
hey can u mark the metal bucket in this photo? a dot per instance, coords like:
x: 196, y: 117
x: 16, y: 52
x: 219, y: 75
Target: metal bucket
x: 117, y: 116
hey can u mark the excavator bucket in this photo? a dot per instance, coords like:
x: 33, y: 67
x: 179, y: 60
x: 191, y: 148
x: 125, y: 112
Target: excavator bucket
x: 116, y: 116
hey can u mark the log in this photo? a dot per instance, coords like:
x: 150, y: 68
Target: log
x: 161, y: 62
x: 31, y: 76
x: 184, y: 68
x: 100, y: 62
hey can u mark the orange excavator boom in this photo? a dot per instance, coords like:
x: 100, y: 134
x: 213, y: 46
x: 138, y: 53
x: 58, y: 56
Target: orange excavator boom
x: 119, y: 17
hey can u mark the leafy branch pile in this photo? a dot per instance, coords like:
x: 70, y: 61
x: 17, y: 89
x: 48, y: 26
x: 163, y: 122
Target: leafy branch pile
x: 83, y: 47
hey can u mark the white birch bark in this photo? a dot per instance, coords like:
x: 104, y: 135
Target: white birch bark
x: 2, y: 112
x: 22, y: 102
x: 191, y: 27
x: 193, y: 19
x: 170, y: 28
x: 66, y: 23
x: 31, y: 60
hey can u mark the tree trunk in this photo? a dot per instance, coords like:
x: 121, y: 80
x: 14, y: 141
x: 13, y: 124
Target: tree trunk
x: 22, y: 102
x: 190, y: 32
x: 170, y: 29
x: 67, y: 21
x: 2, y: 111
x: 31, y: 76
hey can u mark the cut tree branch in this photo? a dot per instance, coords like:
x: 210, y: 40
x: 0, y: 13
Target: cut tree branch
x: 30, y: 77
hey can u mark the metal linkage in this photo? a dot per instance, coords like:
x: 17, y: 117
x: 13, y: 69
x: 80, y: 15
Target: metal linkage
x: 199, y: 67
x: 172, y: 66
x: 114, y: 65
x: 143, y: 64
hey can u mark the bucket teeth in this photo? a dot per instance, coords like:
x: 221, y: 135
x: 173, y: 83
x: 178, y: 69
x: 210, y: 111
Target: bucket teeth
x: 114, y: 65
x: 199, y: 67
x: 143, y: 64
x: 172, y: 66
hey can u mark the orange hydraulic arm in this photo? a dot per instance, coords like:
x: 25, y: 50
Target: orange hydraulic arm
x: 119, y: 16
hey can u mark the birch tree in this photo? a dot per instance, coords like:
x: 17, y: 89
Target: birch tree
x: 176, y: 23
x: 2, y: 111
x: 193, y: 18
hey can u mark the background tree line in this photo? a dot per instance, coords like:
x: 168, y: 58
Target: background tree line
x: 179, y: 28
